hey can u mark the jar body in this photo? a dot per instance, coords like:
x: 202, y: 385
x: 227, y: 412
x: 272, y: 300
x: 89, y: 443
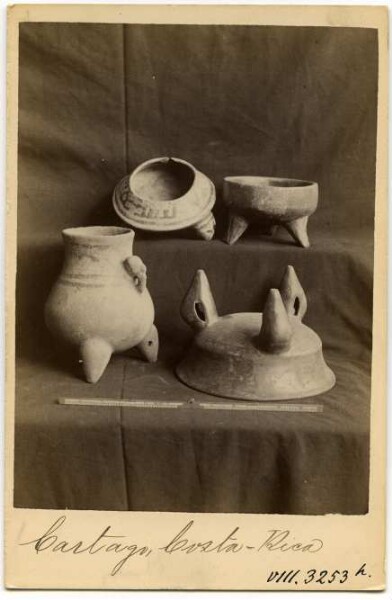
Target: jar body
x: 95, y: 295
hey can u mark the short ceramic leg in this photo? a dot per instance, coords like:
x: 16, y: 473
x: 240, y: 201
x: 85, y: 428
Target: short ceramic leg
x: 298, y: 229
x: 272, y: 230
x: 149, y: 345
x: 205, y: 229
x: 236, y: 227
x: 95, y: 354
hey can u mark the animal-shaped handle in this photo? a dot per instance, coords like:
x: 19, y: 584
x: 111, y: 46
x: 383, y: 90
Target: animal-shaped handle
x: 138, y: 271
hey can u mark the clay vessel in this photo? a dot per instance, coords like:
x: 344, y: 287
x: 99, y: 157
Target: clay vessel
x: 167, y: 194
x: 100, y: 302
x: 271, y: 200
x: 253, y: 356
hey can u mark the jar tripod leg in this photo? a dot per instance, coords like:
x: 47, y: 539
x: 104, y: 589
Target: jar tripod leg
x: 149, y: 345
x: 95, y: 354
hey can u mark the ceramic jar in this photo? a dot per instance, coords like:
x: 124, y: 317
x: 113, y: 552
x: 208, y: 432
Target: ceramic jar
x: 167, y: 194
x: 100, y: 303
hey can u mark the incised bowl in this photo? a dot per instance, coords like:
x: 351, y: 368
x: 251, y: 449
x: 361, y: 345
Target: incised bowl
x: 166, y: 194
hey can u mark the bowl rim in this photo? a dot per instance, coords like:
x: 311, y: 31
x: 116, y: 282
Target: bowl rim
x: 201, y: 205
x: 162, y: 160
x: 264, y: 181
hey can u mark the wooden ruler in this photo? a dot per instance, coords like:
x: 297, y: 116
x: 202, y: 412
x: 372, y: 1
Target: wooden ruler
x: 139, y: 403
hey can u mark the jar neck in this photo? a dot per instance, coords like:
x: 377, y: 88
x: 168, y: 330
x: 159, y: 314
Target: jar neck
x: 97, y: 250
x: 99, y: 237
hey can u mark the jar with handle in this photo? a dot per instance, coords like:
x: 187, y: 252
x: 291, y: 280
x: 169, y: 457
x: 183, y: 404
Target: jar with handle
x: 100, y: 302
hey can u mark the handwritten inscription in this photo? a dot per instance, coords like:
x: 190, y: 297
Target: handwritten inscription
x: 104, y: 542
x: 277, y: 540
x: 114, y: 543
x: 321, y: 577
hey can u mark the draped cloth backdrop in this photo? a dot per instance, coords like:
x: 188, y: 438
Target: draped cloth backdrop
x: 96, y: 100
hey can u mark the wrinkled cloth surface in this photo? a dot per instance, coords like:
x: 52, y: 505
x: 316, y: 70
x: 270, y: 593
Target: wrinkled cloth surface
x: 95, y: 101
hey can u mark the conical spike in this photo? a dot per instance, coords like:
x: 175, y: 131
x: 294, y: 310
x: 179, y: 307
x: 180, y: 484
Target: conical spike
x: 235, y: 228
x: 198, y: 307
x: 298, y: 230
x: 149, y: 346
x: 95, y: 354
x: 276, y: 331
x: 293, y: 295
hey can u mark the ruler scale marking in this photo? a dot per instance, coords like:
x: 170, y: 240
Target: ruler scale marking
x: 139, y: 403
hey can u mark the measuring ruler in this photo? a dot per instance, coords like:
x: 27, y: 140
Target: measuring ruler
x: 138, y: 403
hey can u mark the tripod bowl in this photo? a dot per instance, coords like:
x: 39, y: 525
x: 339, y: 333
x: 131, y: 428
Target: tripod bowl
x: 274, y: 200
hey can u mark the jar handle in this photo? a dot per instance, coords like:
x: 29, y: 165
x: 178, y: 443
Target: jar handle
x: 138, y: 271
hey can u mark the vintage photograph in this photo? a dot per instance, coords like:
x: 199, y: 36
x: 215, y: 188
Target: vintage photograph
x: 196, y: 298
x: 195, y: 229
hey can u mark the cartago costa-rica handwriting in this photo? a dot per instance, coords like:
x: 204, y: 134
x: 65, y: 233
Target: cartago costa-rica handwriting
x: 54, y: 539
